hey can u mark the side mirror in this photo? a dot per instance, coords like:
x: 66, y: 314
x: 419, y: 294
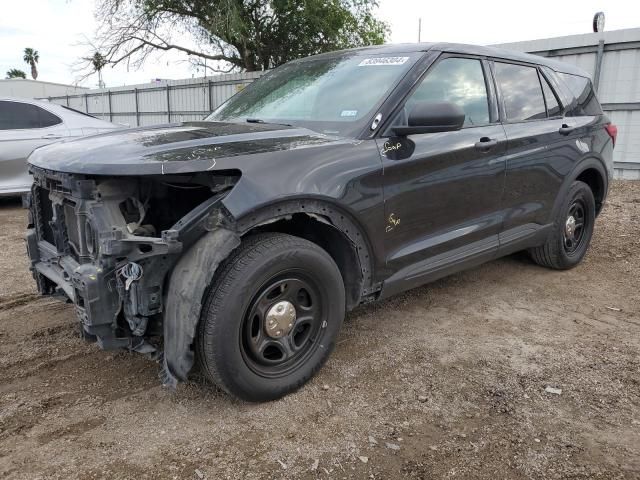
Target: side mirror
x: 430, y: 117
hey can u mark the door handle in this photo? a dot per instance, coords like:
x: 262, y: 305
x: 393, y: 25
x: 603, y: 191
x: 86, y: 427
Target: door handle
x: 485, y: 144
x: 52, y: 136
x: 566, y: 129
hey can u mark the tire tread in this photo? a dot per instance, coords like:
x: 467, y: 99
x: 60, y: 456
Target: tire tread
x: 250, y: 250
x: 549, y: 254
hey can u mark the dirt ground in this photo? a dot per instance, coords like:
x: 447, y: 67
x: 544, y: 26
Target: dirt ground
x: 447, y: 380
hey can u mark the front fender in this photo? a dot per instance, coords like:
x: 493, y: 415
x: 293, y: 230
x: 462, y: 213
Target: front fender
x: 187, y: 285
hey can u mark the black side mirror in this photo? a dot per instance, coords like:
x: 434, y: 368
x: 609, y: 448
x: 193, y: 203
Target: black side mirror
x: 429, y: 117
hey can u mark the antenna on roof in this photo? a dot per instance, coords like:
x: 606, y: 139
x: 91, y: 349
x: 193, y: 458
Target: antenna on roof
x: 419, y: 28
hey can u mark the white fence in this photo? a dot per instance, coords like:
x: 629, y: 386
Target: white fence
x: 161, y: 102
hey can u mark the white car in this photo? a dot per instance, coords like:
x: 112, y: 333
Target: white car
x: 27, y: 124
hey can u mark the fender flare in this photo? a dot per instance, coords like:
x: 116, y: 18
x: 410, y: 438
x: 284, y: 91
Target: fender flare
x: 323, y: 210
x: 188, y: 283
x: 579, y: 168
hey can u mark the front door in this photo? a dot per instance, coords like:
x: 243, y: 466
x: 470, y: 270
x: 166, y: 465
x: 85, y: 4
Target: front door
x: 443, y: 191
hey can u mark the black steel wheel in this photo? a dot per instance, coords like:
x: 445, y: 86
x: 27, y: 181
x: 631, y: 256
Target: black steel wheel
x: 282, y: 327
x: 574, y: 227
x: 569, y: 240
x: 271, y: 317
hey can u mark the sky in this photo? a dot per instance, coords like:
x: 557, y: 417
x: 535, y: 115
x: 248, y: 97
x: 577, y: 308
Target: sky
x: 58, y: 28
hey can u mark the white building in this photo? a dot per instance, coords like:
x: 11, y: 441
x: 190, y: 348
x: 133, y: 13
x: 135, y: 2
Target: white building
x: 613, y: 60
x: 19, y: 87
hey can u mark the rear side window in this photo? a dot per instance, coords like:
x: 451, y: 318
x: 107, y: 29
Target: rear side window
x: 553, y: 107
x: 521, y: 92
x: 47, y: 119
x: 586, y: 103
x: 459, y: 81
x: 19, y: 116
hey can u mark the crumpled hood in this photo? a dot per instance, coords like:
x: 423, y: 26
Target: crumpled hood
x: 171, y: 149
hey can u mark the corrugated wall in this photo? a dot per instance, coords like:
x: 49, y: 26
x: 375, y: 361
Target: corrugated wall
x: 159, y: 102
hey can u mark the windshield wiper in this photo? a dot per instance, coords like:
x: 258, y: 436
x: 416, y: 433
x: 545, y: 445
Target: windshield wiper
x: 259, y: 120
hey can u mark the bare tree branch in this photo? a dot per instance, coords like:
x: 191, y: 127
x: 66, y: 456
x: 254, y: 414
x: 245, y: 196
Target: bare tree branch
x: 231, y: 34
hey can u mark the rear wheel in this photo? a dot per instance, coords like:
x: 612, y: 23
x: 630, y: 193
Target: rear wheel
x: 573, y: 227
x: 271, y: 318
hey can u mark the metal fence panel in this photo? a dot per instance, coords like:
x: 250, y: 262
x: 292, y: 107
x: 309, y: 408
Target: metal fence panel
x: 152, y: 100
x: 159, y: 102
x: 620, y: 77
x: 77, y: 103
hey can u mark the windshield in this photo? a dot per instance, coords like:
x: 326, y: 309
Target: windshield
x: 333, y: 95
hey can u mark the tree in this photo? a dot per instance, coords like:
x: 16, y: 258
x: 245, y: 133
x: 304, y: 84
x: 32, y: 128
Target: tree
x: 233, y: 34
x: 15, y: 73
x: 31, y: 57
x: 98, y: 62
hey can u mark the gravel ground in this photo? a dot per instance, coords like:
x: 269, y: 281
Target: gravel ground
x: 447, y: 380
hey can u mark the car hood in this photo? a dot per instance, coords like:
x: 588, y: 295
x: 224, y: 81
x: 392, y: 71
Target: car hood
x: 172, y: 148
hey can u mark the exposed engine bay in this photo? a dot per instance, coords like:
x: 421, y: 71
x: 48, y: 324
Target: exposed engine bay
x: 107, y: 244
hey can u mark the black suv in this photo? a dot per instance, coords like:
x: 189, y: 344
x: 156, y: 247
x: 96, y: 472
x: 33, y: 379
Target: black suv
x: 240, y: 241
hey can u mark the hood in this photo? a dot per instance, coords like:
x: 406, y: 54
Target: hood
x: 176, y: 148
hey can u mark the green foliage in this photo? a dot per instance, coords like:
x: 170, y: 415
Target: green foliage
x: 31, y: 57
x: 15, y: 73
x: 98, y: 61
x: 247, y: 34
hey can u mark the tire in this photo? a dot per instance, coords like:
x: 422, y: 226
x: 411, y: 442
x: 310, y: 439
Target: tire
x: 566, y: 247
x: 246, y: 343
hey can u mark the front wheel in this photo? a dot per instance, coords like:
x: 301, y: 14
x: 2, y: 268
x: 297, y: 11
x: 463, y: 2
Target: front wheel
x: 572, y: 230
x: 271, y: 317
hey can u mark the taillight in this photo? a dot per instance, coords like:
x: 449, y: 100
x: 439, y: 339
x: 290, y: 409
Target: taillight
x: 612, y: 130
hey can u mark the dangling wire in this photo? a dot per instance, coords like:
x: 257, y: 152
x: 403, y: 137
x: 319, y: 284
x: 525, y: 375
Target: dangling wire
x: 131, y: 272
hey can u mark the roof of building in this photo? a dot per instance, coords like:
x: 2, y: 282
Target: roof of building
x: 40, y: 82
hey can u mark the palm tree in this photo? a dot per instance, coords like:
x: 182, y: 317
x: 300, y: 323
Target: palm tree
x: 98, y: 61
x: 15, y: 73
x: 31, y: 57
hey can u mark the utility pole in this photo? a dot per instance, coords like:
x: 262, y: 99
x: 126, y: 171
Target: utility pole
x: 419, y: 28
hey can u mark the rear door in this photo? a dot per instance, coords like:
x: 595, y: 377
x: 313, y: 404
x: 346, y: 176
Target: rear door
x: 540, y: 148
x: 23, y: 128
x: 443, y: 190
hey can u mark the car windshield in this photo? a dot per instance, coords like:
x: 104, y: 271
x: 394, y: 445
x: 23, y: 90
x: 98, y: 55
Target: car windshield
x: 332, y: 95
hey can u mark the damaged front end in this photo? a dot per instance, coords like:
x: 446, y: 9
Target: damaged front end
x: 109, y: 244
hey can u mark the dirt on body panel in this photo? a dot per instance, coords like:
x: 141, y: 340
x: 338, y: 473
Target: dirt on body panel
x: 447, y: 380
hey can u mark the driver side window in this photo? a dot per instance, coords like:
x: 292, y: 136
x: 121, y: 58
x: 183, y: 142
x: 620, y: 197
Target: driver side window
x: 456, y: 80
